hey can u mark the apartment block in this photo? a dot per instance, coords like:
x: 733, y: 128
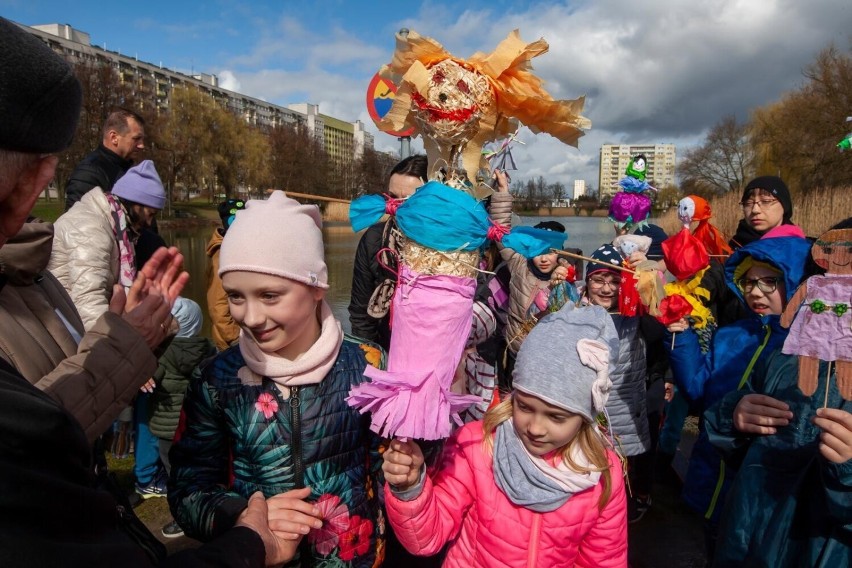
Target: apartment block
x: 615, y: 158
x: 344, y: 141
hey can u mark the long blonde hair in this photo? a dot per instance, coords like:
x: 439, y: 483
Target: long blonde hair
x: 587, y: 440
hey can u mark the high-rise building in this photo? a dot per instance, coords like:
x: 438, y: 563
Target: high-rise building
x: 344, y: 141
x: 579, y: 188
x: 660, y: 160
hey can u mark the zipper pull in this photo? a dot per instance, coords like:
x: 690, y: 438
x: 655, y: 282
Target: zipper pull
x: 295, y: 401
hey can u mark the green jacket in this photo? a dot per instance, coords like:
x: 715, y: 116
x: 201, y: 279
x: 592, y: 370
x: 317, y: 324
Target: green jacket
x: 788, y: 506
x: 175, y: 368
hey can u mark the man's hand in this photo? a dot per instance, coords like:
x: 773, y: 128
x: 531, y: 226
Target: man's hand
x: 278, y: 550
x: 401, y: 463
x: 761, y: 414
x: 290, y: 516
x: 835, y: 442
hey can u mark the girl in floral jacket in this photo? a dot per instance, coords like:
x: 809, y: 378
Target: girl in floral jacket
x: 270, y: 415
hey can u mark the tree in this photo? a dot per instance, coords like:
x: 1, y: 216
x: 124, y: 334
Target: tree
x: 185, y: 140
x: 298, y: 161
x: 103, y: 91
x: 724, y: 162
x: 667, y: 197
x: 797, y: 136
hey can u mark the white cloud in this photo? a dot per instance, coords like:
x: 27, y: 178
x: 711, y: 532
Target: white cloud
x: 662, y: 71
x: 227, y: 80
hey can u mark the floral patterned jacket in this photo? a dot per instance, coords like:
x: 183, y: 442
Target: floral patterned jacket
x: 235, y: 439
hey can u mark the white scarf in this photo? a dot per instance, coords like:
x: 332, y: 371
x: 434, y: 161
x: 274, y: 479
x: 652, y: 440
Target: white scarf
x: 308, y: 369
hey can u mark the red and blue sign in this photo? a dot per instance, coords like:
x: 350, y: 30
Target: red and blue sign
x: 380, y: 96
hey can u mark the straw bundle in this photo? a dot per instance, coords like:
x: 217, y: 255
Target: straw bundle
x: 429, y: 261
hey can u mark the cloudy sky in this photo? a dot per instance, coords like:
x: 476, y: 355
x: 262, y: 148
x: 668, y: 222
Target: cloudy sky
x: 657, y: 71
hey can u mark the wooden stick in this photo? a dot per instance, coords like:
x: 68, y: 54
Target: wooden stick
x: 827, y: 381
x: 586, y: 258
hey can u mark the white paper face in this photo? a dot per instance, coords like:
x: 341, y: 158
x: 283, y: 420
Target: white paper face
x: 685, y: 210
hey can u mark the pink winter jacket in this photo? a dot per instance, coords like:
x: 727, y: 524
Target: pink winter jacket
x: 463, y: 504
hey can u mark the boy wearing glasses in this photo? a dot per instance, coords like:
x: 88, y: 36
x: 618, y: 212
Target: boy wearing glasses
x: 763, y: 275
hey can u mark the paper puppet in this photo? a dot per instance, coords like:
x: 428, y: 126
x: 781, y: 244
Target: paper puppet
x: 697, y: 209
x: 458, y: 105
x: 642, y: 290
x: 631, y: 206
x: 432, y: 307
x: 846, y: 143
x: 822, y: 308
x: 687, y: 259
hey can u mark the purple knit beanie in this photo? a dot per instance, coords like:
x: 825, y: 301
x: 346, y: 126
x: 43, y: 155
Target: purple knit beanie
x: 141, y: 184
x: 279, y: 236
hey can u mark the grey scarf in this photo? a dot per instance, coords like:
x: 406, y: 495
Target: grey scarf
x: 530, y: 482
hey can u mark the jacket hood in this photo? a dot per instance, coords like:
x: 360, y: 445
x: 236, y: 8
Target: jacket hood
x: 26, y: 255
x: 787, y: 254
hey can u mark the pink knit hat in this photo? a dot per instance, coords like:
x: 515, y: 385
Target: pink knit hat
x: 279, y: 236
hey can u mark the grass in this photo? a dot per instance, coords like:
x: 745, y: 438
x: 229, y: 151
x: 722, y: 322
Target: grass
x: 815, y: 212
x: 50, y: 211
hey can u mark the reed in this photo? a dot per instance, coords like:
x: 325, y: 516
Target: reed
x: 815, y: 212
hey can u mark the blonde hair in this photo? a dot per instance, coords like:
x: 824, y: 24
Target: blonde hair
x: 587, y: 440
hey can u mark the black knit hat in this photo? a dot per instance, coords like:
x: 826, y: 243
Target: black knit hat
x: 658, y: 235
x: 775, y: 186
x: 39, y: 95
x: 551, y: 226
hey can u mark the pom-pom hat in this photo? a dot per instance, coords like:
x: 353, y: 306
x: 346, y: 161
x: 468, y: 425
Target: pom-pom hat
x: 141, y: 184
x: 280, y: 237
x: 566, y: 357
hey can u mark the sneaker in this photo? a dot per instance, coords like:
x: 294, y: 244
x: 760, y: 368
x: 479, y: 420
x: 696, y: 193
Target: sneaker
x: 172, y: 530
x: 156, y: 489
x: 637, y: 507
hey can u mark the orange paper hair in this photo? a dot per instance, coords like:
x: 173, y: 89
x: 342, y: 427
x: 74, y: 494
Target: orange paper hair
x: 706, y: 232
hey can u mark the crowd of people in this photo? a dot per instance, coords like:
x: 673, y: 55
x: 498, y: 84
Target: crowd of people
x: 251, y: 434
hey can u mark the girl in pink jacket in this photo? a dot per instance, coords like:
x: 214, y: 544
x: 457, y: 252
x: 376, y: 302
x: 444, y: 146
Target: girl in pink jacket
x: 533, y: 484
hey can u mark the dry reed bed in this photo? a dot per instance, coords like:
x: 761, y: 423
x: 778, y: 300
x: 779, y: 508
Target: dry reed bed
x: 815, y: 212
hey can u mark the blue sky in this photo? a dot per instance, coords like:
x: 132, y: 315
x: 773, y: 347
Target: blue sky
x: 655, y: 71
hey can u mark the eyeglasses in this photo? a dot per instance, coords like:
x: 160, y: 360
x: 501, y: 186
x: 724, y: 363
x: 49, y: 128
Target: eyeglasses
x: 767, y: 284
x: 600, y: 282
x: 763, y: 204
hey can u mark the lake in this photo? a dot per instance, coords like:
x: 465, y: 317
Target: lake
x: 586, y: 233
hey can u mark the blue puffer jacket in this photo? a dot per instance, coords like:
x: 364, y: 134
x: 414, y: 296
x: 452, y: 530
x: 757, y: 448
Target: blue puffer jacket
x: 235, y: 439
x: 788, y: 506
x: 734, y: 351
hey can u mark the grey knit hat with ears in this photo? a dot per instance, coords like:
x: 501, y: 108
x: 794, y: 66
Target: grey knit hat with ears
x: 565, y: 359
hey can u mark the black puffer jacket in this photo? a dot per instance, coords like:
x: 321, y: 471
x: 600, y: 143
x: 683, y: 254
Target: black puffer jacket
x: 100, y: 168
x: 367, y: 275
